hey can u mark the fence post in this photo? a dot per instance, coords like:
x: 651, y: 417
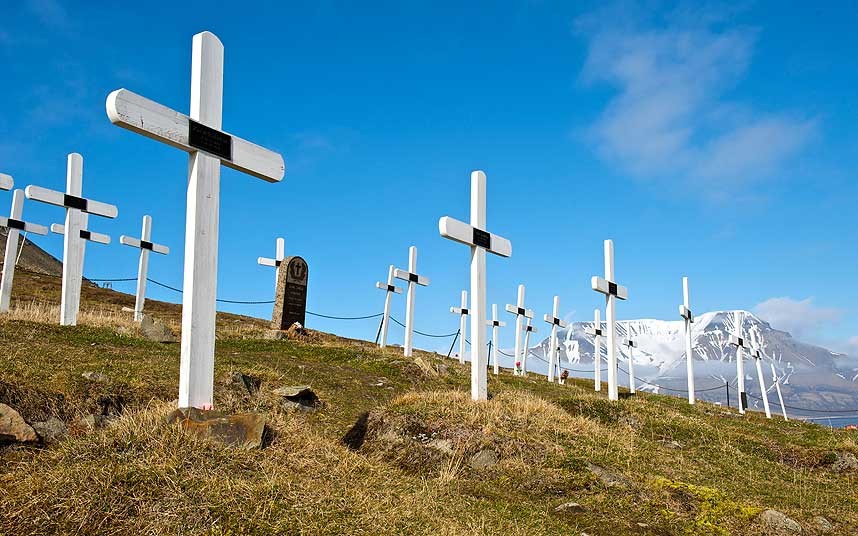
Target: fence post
x: 456, y: 338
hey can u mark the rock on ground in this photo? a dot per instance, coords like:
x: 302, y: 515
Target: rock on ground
x: 13, y: 428
x: 569, y: 508
x: 154, y: 330
x: 243, y: 430
x: 822, y: 525
x: 51, y: 431
x: 606, y: 477
x: 844, y: 461
x: 299, y: 397
x: 96, y: 377
x: 779, y: 522
x: 484, y: 459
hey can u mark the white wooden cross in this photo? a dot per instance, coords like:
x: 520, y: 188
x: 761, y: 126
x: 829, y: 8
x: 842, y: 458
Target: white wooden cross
x: 279, y: 255
x: 15, y: 225
x: 208, y: 146
x: 389, y: 289
x: 631, y: 346
x: 413, y: 279
x: 480, y: 241
x: 520, y: 314
x: 688, y: 316
x: 555, y: 321
x: 612, y: 292
x: 758, y: 358
x: 85, y: 234
x: 145, y: 245
x: 6, y: 182
x: 463, y: 324
x: 741, y: 345
x: 75, y: 229
x: 528, y: 329
x: 596, y: 333
x: 495, y: 324
x: 778, y: 389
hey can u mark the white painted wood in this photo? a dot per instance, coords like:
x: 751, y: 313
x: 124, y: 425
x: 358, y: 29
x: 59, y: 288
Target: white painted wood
x: 556, y: 322
x: 631, y: 345
x: 685, y: 313
x: 85, y: 234
x: 520, y: 361
x: 603, y: 285
x: 279, y: 255
x: 463, y: 324
x: 741, y: 345
x: 6, y: 182
x: 143, y: 264
x: 10, y: 257
x: 596, y: 332
x: 413, y: 279
x: 53, y: 197
x: 135, y: 113
x: 143, y: 116
x: 495, y: 324
x: 778, y: 389
x: 463, y: 233
x: 528, y: 329
x: 389, y: 289
x: 758, y: 358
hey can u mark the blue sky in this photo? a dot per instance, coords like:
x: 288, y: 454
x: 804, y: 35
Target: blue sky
x: 714, y: 142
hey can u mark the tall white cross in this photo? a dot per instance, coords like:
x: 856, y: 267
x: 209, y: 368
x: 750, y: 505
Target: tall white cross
x: 145, y: 245
x: 688, y: 316
x: 520, y: 314
x: 413, y: 279
x: 463, y: 324
x: 208, y: 146
x: 596, y: 332
x: 77, y: 210
x: 631, y: 346
x: 778, y: 389
x: 15, y: 225
x: 479, y: 240
x: 758, y: 358
x: 612, y: 292
x: 741, y: 345
x: 555, y: 321
x: 6, y: 182
x: 389, y: 289
x: 528, y: 329
x: 279, y: 255
x: 495, y: 324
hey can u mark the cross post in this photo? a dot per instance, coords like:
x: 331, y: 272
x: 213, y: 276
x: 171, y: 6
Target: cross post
x: 279, y: 255
x: 685, y: 313
x: 145, y: 245
x: 389, y: 289
x: 778, y: 389
x: 463, y: 324
x: 631, y: 345
x: 14, y: 225
x: 741, y: 345
x: 612, y: 292
x: 555, y: 321
x: 520, y: 314
x: 413, y: 279
x: 596, y: 332
x: 758, y: 359
x: 495, y: 324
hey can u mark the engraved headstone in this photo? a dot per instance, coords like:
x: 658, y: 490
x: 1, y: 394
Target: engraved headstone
x: 290, y: 300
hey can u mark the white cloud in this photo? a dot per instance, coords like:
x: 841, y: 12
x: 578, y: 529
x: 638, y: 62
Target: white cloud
x: 670, y: 117
x: 801, y: 318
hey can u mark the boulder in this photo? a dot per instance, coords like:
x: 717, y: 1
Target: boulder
x: 844, y: 461
x: 822, y: 525
x: 51, y: 431
x: 154, y: 330
x: 606, y: 477
x: 242, y: 430
x: 569, y: 508
x: 484, y: 459
x: 96, y: 377
x: 13, y: 429
x: 245, y: 382
x: 425, y: 366
x: 299, y: 397
x: 779, y: 522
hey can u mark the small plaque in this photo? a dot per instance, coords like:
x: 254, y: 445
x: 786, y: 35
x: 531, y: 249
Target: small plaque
x: 209, y: 140
x: 612, y: 288
x: 521, y: 311
x: 413, y: 277
x: 464, y: 311
x: 72, y: 201
x: 146, y: 245
x: 482, y: 239
x: 15, y: 224
x: 86, y: 235
x: 599, y: 332
x: 391, y: 288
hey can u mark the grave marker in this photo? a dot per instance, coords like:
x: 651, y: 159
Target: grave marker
x: 528, y: 329
x: 631, y: 346
x: 778, y: 389
x: 495, y: 324
x: 612, y: 292
x: 15, y: 225
x: 480, y: 241
x: 758, y: 358
x: 389, y: 289
x: 77, y: 210
x: 145, y: 245
x: 463, y: 324
x: 555, y: 321
x: 596, y: 332
x: 290, y: 298
x: 741, y: 345
x: 279, y: 255
x: 520, y: 314
x: 686, y: 314
x: 208, y: 146
x: 413, y: 279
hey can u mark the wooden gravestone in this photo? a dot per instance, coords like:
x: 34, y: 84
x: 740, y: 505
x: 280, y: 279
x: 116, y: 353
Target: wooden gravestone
x: 290, y: 300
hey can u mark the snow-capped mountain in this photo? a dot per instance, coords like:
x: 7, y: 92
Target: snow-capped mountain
x: 811, y: 377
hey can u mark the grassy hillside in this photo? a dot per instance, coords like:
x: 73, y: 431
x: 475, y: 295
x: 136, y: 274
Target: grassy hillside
x: 645, y: 465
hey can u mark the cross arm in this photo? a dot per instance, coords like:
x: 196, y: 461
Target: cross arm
x: 554, y: 320
x: 407, y: 276
x: 685, y: 313
x: 265, y: 261
x: 143, y: 116
x: 630, y: 343
x: 470, y: 236
x: 458, y: 311
x: 739, y: 341
x: 59, y: 228
x: 527, y: 313
x: 531, y: 329
x: 388, y: 288
x: 496, y: 323
x: 6, y: 182
x: 609, y: 287
x: 136, y: 243
x: 60, y: 199
x: 34, y: 228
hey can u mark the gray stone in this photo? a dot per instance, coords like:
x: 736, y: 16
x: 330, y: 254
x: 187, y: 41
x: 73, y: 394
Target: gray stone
x: 13, y: 428
x: 299, y: 397
x: 51, y: 431
x: 94, y: 422
x: 822, y: 525
x: 569, y: 508
x: 243, y: 430
x: 844, y: 461
x: 441, y: 445
x: 484, y: 459
x: 425, y: 366
x: 96, y: 377
x: 245, y: 382
x: 154, y: 330
x: 606, y: 477
x: 779, y: 522
x: 290, y: 296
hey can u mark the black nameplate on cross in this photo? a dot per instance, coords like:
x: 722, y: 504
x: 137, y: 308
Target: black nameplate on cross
x: 496, y: 323
x: 464, y: 311
x: 209, y: 140
x: 521, y: 311
x: 528, y: 328
x: 72, y: 201
x: 15, y: 224
x: 391, y: 288
x: 278, y: 263
x: 597, y: 332
x: 744, y: 398
x: 482, y: 239
x: 556, y: 321
x: 86, y: 235
x: 413, y: 277
x: 741, y: 342
x: 612, y: 288
x: 146, y: 245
